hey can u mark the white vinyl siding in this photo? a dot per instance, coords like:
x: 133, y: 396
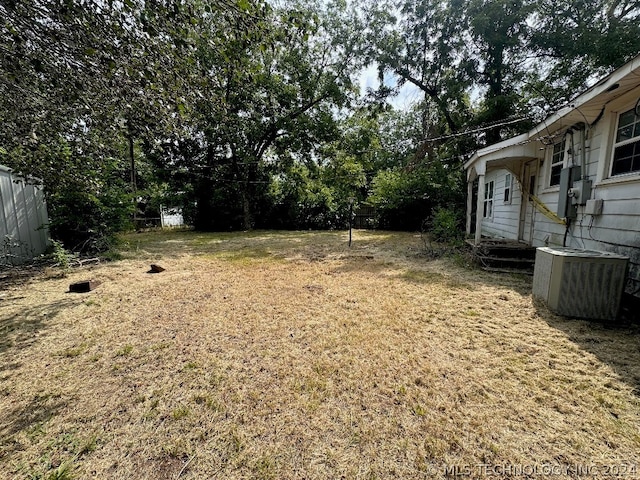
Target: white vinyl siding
x: 504, y: 223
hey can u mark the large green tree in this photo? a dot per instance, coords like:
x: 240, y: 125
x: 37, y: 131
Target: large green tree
x: 573, y: 43
x: 272, y: 97
x: 510, y: 57
x: 420, y: 43
x: 83, y: 84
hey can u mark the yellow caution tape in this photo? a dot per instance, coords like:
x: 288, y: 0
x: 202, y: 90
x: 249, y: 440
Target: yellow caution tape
x: 545, y: 210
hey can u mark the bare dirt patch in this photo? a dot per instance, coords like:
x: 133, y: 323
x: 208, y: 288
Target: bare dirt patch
x: 289, y: 355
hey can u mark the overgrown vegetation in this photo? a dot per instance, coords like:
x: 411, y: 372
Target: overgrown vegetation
x: 248, y: 114
x: 60, y: 256
x: 446, y: 225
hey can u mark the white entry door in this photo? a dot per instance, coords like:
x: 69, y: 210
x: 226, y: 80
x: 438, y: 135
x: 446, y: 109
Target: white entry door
x: 527, y: 210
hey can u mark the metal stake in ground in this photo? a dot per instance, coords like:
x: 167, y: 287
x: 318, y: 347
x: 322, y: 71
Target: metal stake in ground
x: 351, y: 200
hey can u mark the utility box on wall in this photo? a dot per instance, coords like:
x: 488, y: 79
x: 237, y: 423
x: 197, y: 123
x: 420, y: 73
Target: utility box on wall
x: 580, y: 283
x: 566, y: 208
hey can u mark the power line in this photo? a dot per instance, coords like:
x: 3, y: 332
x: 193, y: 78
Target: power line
x: 477, y: 130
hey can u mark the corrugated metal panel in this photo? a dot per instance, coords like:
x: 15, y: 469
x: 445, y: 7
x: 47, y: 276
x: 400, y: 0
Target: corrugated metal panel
x: 23, y: 218
x: 10, y: 235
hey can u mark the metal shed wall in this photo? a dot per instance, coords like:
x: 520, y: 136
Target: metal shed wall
x: 24, y: 222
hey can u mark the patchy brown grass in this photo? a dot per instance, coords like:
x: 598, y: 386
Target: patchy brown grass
x: 288, y: 355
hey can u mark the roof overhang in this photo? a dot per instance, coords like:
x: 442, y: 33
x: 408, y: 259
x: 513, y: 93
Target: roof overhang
x: 589, y: 105
x: 586, y: 108
x: 508, y: 154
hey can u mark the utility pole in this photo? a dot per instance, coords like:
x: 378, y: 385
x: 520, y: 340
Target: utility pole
x: 134, y: 187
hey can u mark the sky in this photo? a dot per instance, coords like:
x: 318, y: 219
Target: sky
x: 409, y: 94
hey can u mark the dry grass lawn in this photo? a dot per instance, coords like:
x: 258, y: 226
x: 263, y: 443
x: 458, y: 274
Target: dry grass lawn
x: 288, y: 355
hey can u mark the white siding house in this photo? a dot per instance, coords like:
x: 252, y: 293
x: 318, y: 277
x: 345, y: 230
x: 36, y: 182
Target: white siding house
x: 24, y: 222
x: 586, y: 156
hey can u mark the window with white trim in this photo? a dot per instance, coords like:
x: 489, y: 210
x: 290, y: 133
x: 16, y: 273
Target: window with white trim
x: 557, y: 163
x: 508, y: 181
x: 626, y: 148
x: 488, y: 199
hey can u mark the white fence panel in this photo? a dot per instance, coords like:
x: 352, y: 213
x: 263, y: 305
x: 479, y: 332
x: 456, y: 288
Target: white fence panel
x: 171, y: 217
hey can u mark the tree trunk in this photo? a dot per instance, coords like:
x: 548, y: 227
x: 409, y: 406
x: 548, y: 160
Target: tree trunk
x: 247, y: 217
x: 134, y: 187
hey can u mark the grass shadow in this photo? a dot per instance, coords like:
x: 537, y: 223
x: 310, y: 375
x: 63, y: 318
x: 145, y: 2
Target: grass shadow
x: 30, y: 418
x: 617, y: 344
x: 358, y: 262
x: 176, y: 243
x: 421, y: 277
x: 254, y: 246
x: 20, y: 330
x: 17, y: 276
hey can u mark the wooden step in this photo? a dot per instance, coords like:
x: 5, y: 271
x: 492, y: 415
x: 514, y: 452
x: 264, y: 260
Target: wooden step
x: 492, y: 258
x: 508, y: 270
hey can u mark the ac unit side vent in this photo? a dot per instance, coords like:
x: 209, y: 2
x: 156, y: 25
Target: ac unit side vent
x: 580, y: 283
x: 591, y: 289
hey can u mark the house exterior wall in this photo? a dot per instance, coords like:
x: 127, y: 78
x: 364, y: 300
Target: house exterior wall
x: 601, y: 133
x: 23, y: 219
x: 617, y: 228
x: 506, y: 214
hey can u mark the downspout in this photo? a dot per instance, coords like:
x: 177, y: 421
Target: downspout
x: 583, y: 153
x: 572, y: 147
x: 573, y: 153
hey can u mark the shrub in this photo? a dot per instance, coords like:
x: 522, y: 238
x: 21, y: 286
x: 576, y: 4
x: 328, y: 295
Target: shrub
x: 446, y: 225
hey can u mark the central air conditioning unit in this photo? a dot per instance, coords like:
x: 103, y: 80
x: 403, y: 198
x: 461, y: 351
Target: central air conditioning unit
x: 580, y: 283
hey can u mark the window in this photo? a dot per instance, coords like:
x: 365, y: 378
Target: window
x: 626, y: 149
x: 507, y: 188
x: 557, y: 163
x: 488, y: 199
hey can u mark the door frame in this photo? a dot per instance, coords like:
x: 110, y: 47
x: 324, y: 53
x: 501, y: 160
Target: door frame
x: 529, y: 184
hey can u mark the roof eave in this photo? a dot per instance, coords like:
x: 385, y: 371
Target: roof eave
x: 618, y: 83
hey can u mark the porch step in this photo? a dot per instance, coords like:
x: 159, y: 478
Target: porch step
x: 492, y: 258
x: 521, y: 271
x: 505, y: 256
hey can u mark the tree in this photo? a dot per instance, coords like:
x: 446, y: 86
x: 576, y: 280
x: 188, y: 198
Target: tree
x: 511, y: 57
x: 278, y: 89
x: 499, y: 33
x: 418, y: 177
x: 420, y: 44
x: 247, y: 110
x: 573, y: 43
x: 80, y: 80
